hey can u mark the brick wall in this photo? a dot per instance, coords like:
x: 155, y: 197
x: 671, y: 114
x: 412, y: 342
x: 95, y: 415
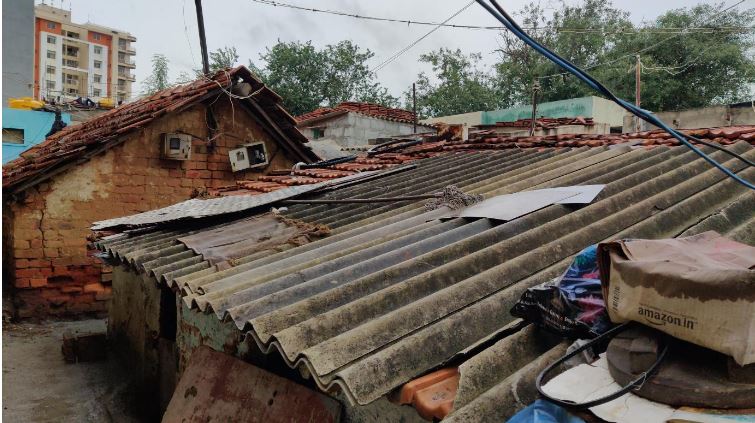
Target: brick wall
x: 53, y: 273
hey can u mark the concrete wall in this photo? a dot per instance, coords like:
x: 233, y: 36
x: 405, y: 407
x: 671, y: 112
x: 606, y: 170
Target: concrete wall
x: 601, y: 110
x: 469, y: 119
x: 35, y: 125
x: 705, y: 117
x: 54, y: 272
x: 18, y: 49
x: 141, y: 337
x: 354, y: 129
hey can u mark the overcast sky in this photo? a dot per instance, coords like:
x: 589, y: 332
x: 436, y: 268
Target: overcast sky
x: 169, y: 27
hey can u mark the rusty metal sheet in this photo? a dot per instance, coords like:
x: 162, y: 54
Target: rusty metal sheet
x: 220, y: 388
x: 196, y: 208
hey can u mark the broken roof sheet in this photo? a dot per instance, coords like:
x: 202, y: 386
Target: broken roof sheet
x: 77, y: 143
x: 394, y: 293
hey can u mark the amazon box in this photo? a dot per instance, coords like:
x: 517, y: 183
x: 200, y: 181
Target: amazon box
x: 699, y: 288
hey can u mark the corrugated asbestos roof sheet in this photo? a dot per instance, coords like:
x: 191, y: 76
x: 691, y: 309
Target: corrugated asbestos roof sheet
x: 394, y: 293
x: 78, y: 142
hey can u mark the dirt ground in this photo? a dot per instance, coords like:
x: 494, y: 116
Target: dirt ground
x: 39, y: 386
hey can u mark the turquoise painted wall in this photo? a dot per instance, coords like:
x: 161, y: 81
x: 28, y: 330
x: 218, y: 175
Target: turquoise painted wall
x: 574, y: 107
x: 35, y: 125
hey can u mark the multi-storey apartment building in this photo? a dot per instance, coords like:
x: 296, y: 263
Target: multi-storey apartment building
x: 80, y: 60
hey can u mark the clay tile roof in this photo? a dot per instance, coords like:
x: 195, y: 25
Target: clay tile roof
x: 368, y: 109
x: 77, y: 143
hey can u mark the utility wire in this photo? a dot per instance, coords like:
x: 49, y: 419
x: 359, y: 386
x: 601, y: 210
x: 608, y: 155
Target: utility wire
x: 641, y: 50
x: 415, y: 42
x: 500, y: 28
x: 500, y: 14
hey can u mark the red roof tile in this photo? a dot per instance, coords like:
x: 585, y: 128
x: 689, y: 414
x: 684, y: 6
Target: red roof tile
x: 405, y: 151
x: 78, y: 142
x: 368, y: 109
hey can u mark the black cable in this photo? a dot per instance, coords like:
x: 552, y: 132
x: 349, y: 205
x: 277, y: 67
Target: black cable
x: 497, y: 11
x: 635, y: 384
x: 721, y: 148
x: 329, y: 162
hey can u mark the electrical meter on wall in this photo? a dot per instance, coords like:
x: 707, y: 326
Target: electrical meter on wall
x: 176, y: 146
x: 249, y: 156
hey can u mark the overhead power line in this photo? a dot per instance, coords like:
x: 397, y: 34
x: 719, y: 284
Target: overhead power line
x: 415, y: 42
x: 606, y: 31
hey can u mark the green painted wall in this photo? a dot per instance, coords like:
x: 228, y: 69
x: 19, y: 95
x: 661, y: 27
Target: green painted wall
x: 574, y: 107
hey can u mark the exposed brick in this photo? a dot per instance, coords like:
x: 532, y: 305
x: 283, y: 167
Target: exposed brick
x: 192, y: 174
x: 71, y: 289
x: 37, y: 282
x: 21, y: 244
x: 94, y: 287
x: 51, y: 252
x: 22, y: 283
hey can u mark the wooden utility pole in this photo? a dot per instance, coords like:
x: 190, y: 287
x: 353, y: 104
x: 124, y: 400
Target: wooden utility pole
x: 535, y: 91
x: 637, y: 84
x: 202, y: 39
x: 414, y: 105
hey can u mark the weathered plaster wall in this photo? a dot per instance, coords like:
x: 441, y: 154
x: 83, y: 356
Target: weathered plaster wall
x: 704, y: 117
x: 54, y: 272
x: 354, y: 129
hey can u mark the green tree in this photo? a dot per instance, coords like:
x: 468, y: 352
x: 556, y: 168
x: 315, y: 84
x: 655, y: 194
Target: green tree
x: 680, y: 71
x: 603, y: 27
x: 696, y: 69
x: 308, y: 78
x: 158, y: 79
x: 462, y: 86
x: 223, y: 58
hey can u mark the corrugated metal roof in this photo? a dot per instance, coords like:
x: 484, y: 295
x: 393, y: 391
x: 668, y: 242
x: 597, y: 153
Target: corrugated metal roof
x: 394, y: 292
x: 200, y: 208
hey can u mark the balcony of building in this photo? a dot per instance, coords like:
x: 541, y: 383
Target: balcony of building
x: 125, y: 47
x: 125, y: 75
x: 126, y: 60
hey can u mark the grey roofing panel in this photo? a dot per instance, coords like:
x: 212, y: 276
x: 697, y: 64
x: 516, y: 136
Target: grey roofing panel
x: 390, y: 296
x: 196, y: 208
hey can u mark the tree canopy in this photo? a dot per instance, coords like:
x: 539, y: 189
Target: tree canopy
x: 158, y: 79
x: 307, y: 77
x: 678, y: 70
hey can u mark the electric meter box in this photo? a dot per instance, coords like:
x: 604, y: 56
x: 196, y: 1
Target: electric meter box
x: 249, y: 156
x: 176, y: 146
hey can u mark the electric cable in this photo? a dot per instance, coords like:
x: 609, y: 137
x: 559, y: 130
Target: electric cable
x: 633, y: 31
x: 497, y: 12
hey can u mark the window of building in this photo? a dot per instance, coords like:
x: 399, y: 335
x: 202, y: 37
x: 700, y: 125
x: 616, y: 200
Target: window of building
x: 51, y: 69
x: 50, y: 85
x: 73, y: 34
x: 13, y: 136
x: 96, y: 92
x: 72, y: 63
x: 97, y: 78
x: 51, y: 39
x: 50, y: 54
x: 97, y: 50
x: 71, y: 79
x: 95, y: 36
x: 73, y: 91
x: 51, y: 25
x: 318, y: 133
x: 97, y: 64
x: 72, y: 51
